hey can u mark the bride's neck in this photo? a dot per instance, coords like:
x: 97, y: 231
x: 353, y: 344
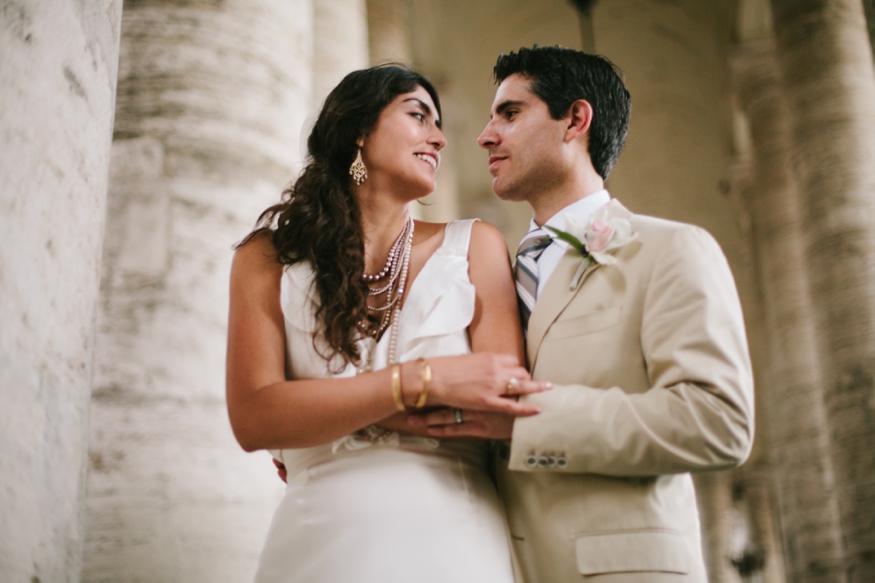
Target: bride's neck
x: 381, y: 224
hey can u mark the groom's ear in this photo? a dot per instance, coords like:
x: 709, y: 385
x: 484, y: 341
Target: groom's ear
x: 579, y: 119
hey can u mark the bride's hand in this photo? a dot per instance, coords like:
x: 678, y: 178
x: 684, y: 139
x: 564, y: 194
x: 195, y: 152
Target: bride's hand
x: 483, y: 382
x: 446, y: 423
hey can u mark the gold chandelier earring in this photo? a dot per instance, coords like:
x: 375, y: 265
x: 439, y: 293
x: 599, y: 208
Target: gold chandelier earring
x: 358, y: 170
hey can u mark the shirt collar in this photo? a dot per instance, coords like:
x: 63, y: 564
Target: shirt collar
x: 582, y: 210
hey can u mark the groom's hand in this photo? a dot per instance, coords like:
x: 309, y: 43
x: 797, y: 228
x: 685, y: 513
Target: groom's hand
x: 465, y: 423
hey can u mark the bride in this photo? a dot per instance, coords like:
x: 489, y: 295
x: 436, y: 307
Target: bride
x: 346, y: 314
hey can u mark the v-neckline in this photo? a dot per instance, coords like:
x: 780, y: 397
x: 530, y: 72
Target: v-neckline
x: 412, y: 285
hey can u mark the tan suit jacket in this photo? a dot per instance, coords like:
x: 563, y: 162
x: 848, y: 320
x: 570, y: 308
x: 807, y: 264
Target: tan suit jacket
x: 652, y: 380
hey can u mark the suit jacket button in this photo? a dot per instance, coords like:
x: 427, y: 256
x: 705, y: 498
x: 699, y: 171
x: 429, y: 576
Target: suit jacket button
x: 504, y: 452
x: 531, y: 461
x: 561, y: 462
x: 542, y: 461
x: 551, y: 461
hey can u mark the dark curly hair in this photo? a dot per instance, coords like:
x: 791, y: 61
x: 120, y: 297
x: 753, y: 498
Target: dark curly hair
x: 318, y: 220
x: 561, y: 76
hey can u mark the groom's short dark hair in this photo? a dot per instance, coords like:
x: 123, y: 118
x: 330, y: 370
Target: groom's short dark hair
x: 561, y: 76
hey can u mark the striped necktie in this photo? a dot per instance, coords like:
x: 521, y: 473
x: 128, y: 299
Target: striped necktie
x: 526, y: 271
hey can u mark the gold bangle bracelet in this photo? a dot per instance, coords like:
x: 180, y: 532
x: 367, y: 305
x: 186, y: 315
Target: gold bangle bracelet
x: 425, y: 370
x: 396, y: 387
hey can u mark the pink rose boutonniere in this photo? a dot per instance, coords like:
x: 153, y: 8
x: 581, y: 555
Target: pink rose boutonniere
x: 596, y: 240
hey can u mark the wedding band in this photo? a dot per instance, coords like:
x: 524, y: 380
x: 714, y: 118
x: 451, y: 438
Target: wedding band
x: 512, y: 386
x: 459, y: 419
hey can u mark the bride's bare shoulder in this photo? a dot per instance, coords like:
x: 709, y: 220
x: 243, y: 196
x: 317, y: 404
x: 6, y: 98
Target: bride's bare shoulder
x: 487, y: 241
x: 256, y: 254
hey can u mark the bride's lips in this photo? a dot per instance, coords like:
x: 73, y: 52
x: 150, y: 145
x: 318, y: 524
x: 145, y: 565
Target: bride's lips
x: 432, y: 158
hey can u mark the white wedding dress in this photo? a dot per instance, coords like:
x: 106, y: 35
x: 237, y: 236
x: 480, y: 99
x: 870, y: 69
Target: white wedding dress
x: 404, y: 509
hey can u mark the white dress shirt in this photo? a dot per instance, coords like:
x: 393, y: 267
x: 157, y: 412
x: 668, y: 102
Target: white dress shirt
x: 582, y: 210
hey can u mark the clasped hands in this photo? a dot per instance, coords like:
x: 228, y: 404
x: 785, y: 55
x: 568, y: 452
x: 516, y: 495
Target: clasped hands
x: 475, y: 395
x: 478, y: 397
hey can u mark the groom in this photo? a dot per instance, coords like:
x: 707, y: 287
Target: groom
x: 636, y: 322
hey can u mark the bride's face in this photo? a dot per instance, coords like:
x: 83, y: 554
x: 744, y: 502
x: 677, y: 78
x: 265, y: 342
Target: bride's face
x: 401, y: 152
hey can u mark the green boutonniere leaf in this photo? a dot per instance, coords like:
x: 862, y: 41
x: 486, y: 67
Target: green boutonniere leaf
x: 570, y: 239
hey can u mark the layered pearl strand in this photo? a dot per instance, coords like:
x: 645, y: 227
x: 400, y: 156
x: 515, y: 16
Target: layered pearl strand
x: 393, y: 255
x: 395, y: 271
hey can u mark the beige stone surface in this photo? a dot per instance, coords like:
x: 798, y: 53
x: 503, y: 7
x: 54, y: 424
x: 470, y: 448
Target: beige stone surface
x: 340, y: 43
x: 57, y: 88
x: 212, y: 99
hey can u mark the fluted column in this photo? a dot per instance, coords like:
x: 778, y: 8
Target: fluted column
x: 389, y: 31
x: 869, y: 8
x: 389, y: 38
x: 826, y: 63
x: 762, y: 521
x: 340, y: 43
x: 795, y: 413
x: 714, y: 496
x: 675, y: 160
x: 212, y: 98
x: 57, y: 92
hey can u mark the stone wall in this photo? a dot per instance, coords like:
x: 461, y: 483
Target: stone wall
x: 57, y: 92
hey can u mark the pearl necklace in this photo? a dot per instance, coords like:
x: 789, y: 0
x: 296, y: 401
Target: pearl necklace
x: 391, y: 259
x: 394, y: 288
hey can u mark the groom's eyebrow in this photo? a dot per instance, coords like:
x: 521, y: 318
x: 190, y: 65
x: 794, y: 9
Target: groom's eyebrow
x: 505, y: 105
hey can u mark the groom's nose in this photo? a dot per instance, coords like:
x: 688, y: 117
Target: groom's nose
x: 488, y: 137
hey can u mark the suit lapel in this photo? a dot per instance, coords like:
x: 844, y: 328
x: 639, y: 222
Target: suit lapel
x: 553, y: 299
x: 557, y: 294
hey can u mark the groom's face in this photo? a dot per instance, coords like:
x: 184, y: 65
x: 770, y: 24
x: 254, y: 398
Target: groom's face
x: 524, y: 143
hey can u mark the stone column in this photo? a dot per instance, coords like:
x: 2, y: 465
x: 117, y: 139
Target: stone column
x: 389, y: 38
x: 340, y: 43
x: 587, y: 32
x: 761, y: 519
x: 57, y: 93
x: 714, y: 496
x: 675, y: 164
x: 212, y: 98
x: 826, y: 64
x: 869, y: 7
x: 795, y: 412
x: 389, y: 31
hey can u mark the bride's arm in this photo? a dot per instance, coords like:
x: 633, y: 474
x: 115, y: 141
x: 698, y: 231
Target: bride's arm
x: 495, y: 327
x: 269, y: 412
x: 496, y: 324
x: 265, y: 409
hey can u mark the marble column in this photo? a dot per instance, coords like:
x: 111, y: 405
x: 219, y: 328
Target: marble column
x: 826, y: 65
x: 676, y: 161
x: 763, y: 538
x: 340, y: 43
x: 795, y: 412
x: 212, y: 98
x: 714, y: 496
x: 57, y: 93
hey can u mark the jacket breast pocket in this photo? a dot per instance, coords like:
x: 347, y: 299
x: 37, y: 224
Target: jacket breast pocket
x: 585, y: 323
x: 634, y: 551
